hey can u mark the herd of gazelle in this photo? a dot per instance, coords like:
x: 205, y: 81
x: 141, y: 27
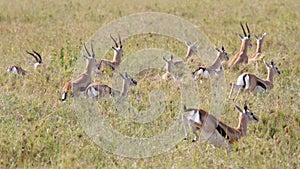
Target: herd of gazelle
x: 215, y: 131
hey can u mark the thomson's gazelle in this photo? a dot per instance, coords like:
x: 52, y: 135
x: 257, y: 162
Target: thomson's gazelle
x: 258, y: 52
x: 98, y: 90
x: 241, y: 56
x: 254, y: 84
x: 118, y: 54
x: 206, y: 71
x: 83, y: 80
x: 217, y: 132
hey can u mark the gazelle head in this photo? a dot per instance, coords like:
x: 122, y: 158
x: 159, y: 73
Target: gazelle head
x: 247, y: 115
x: 260, y: 40
x: 92, y: 64
x: 222, y: 55
x: 127, y: 83
x: 272, y: 69
x: 192, y: 49
x: 37, y: 58
x: 246, y: 38
x: 118, y: 50
x: 169, y: 63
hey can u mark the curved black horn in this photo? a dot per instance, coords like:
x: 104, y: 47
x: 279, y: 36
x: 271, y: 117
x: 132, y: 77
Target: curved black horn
x: 37, y: 60
x: 120, y: 41
x: 40, y: 57
x: 248, y: 29
x: 86, y: 50
x: 243, y: 29
x: 114, y: 41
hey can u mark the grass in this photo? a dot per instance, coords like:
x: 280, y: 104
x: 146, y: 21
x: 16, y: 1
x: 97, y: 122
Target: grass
x: 37, y: 130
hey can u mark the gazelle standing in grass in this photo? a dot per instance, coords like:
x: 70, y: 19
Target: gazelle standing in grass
x: 241, y: 56
x: 98, y: 90
x: 215, y: 67
x: 169, y: 68
x: 254, y: 84
x: 215, y: 131
x: 258, y: 52
x: 37, y: 58
x: 118, y: 54
x: 80, y: 83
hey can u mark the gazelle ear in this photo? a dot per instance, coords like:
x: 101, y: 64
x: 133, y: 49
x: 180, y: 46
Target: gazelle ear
x: 238, y: 108
x: 245, y: 107
x: 266, y: 64
x: 263, y: 36
x: 217, y: 49
x: 272, y: 62
x: 188, y: 44
x: 172, y: 57
x: 223, y: 49
x: 256, y: 37
x: 241, y: 37
x: 165, y: 59
x: 122, y: 76
x: 195, y: 43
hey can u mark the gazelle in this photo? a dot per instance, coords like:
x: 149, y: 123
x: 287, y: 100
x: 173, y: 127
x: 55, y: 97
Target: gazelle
x: 191, y: 49
x: 169, y: 68
x: 83, y: 80
x: 118, y: 54
x: 206, y: 71
x: 37, y: 58
x: 98, y: 90
x: 258, y: 52
x: 15, y: 69
x: 254, y: 84
x: 215, y: 131
x: 241, y: 56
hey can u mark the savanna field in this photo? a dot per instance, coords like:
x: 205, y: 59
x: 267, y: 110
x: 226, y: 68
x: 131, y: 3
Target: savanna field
x: 37, y: 130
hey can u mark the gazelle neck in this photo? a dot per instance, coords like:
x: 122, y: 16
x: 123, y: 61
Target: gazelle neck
x: 125, y: 87
x: 89, y: 67
x: 243, y: 125
x: 259, y: 46
x: 217, y: 63
x: 169, y: 67
x: 270, y: 75
x: 244, y: 46
x: 117, y: 56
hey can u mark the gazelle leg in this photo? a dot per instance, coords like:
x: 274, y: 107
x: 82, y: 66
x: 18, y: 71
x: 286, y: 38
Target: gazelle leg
x: 194, y: 125
x: 186, y: 126
x: 239, y: 91
x: 232, y: 87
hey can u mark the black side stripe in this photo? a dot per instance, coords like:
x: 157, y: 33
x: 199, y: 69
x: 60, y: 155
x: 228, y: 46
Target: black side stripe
x: 259, y: 83
x: 203, y: 68
x: 222, y: 132
x: 244, y: 80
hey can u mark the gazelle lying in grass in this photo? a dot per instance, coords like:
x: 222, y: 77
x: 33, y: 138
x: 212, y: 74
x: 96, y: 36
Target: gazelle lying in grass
x: 15, y: 69
x: 207, y: 71
x: 83, y: 80
x: 170, y: 64
x: 37, y: 58
x: 98, y: 90
x: 241, y: 56
x: 118, y: 54
x: 254, y: 84
x: 217, y: 132
x: 191, y: 49
x: 258, y: 52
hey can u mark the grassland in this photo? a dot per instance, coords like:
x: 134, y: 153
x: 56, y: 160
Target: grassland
x: 37, y: 130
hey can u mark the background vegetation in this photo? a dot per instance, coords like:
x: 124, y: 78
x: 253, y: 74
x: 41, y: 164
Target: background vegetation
x: 37, y: 130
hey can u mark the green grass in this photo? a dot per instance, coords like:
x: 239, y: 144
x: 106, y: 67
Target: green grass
x: 37, y: 130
